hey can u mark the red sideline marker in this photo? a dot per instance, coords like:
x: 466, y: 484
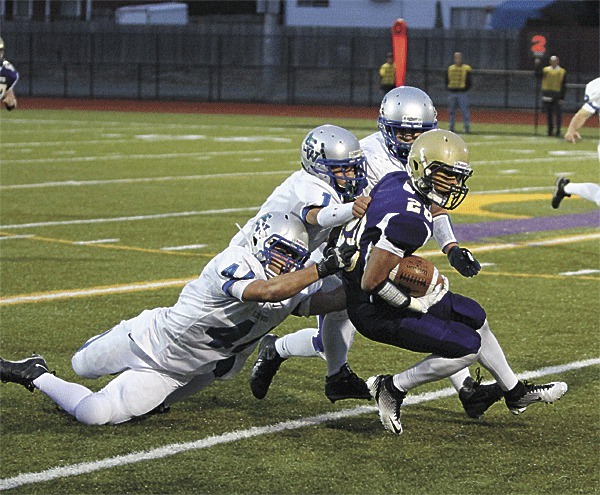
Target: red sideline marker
x: 400, y: 49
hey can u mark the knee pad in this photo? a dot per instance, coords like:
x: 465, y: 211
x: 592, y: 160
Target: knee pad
x: 95, y: 409
x: 468, y: 311
x: 79, y: 365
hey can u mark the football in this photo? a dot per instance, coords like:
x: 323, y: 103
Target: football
x: 416, y: 275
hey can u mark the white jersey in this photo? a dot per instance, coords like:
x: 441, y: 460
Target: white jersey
x: 299, y: 193
x: 592, y: 100
x: 592, y: 96
x: 210, y: 323
x: 379, y: 161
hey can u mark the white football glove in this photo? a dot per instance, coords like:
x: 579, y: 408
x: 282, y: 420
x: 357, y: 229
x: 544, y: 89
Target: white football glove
x: 423, y: 303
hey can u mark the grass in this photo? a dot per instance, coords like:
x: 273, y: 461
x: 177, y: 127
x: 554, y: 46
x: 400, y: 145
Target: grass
x: 227, y: 165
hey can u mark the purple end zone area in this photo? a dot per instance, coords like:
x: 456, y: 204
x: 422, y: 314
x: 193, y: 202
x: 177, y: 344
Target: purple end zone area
x: 472, y: 232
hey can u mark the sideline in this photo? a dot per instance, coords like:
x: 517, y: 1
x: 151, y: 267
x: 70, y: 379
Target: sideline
x: 235, y: 436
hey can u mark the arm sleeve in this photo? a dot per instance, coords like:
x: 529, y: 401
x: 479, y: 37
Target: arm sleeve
x: 443, y: 231
x: 236, y: 270
x: 335, y: 215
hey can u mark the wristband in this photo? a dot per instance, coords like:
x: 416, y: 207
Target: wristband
x: 392, y: 295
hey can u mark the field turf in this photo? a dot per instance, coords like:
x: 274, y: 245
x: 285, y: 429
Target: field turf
x: 105, y: 214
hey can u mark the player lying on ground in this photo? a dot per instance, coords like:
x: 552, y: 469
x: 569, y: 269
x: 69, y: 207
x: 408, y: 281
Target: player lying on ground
x: 166, y: 354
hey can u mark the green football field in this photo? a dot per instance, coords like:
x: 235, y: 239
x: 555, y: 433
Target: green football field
x: 104, y: 214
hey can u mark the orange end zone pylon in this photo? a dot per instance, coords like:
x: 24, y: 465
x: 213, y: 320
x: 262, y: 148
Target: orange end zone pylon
x: 400, y: 49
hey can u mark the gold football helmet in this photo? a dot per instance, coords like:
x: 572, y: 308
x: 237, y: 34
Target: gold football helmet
x: 439, y: 164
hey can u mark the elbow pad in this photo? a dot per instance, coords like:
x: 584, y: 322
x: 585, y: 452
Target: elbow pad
x: 334, y: 215
x: 392, y: 295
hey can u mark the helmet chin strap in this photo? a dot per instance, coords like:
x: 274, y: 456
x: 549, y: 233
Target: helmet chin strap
x: 246, y: 236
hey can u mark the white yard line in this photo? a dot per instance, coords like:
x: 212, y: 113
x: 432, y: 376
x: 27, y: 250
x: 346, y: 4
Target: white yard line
x: 162, y: 156
x: 183, y: 248
x: 580, y: 272
x: 24, y: 236
x: 96, y: 241
x: 236, y: 436
x: 72, y: 183
x: 128, y: 219
x: 547, y: 159
x: 148, y: 156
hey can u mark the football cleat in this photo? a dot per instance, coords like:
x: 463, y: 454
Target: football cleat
x: 389, y: 400
x: 477, y: 398
x: 559, y: 191
x: 23, y: 372
x: 265, y: 367
x: 346, y: 384
x: 547, y: 393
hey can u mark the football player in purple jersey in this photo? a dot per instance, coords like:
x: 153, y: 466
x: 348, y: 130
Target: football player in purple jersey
x: 452, y: 329
x: 8, y: 78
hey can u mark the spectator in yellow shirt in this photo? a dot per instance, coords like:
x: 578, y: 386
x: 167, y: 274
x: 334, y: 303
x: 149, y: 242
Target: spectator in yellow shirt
x: 387, y: 73
x: 553, y: 92
x: 458, y: 83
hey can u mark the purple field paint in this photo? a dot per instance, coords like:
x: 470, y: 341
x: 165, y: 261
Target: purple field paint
x: 471, y: 232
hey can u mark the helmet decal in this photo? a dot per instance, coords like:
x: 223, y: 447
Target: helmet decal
x: 279, y: 242
x: 333, y: 155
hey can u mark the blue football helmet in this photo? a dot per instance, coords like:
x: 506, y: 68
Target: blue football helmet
x: 279, y: 241
x: 405, y: 110
x: 333, y: 155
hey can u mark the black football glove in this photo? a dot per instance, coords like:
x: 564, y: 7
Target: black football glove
x: 335, y: 258
x: 463, y: 261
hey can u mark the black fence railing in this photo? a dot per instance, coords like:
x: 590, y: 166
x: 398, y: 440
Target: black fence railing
x: 503, y: 89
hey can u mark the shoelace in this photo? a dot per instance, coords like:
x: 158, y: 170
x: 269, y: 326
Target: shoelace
x: 478, y: 377
x: 532, y: 387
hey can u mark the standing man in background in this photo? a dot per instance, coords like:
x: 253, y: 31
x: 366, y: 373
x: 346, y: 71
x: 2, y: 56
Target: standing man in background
x: 553, y: 92
x: 458, y: 83
x: 387, y: 73
x: 8, y: 78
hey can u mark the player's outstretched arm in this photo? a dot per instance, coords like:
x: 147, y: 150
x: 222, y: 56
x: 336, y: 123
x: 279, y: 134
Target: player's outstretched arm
x: 281, y: 287
x: 288, y: 285
x: 577, y: 122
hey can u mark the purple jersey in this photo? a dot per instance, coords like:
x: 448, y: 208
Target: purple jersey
x: 8, y: 77
x: 399, y: 221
